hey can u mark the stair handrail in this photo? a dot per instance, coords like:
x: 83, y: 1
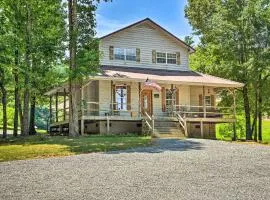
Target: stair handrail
x: 149, y: 121
x: 182, y: 122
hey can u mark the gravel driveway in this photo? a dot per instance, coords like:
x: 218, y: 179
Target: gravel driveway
x: 171, y: 169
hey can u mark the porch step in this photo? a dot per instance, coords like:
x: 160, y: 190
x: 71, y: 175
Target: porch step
x: 168, y: 128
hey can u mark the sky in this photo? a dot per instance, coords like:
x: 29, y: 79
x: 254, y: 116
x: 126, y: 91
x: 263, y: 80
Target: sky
x: 117, y: 14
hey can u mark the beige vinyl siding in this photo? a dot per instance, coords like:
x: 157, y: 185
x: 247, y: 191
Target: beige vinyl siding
x: 184, y: 94
x: 195, y: 91
x: 104, y: 97
x: 147, y: 39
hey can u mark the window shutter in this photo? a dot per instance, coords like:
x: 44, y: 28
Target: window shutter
x: 200, y: 102
x: 213, y: 103
x: 111, y: 52
x: 128, y: 97
x: 177, y: 99
x: 178, y: 58
x: 163, y: 99
x: 154, y: 56
x: 138, y: 55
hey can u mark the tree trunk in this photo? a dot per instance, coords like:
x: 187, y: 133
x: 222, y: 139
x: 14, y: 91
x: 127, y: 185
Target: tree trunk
x: 20, y: 114
x: 247, y: 113
x: 32, y: 130
x: 4, y: 104
x: 254, y: 127
x: 25, y: 121
x: 16, y: 96
x: 260, y: 110
x: 73, y: 95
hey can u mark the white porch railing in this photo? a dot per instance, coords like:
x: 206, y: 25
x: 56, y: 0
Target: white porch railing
x: 93, y: 108
x: 190, y: 111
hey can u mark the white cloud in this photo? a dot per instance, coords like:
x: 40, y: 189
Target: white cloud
x: 106, y: 26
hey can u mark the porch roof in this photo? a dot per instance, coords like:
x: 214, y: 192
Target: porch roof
x: 157, y: 75
x: 165, y: 76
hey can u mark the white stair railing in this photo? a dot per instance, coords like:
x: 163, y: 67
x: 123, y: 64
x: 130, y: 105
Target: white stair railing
x: 149, y: 122
x: 182, y: 122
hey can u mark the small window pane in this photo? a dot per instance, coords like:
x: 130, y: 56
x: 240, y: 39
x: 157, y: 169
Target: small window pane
x: 171, y: 61
x: 131, y: 54
x: 119, y: 54
x: 171, y: 58
x: 163, y: 55
x: 161, y: 60
x: 171, y: 55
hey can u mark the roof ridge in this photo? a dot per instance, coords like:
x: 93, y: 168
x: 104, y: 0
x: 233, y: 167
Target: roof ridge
x: 153, y: 22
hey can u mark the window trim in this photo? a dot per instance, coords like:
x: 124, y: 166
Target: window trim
x: 125, y: 53
x: 166, y: 58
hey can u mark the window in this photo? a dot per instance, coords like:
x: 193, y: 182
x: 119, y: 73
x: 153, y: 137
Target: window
x: 119, y: 54
x: 207, y: 100
x: 170, y: 98
x: 131, y: 54
x: 171, y: 58
x: 125, y: 54
x: 161, y: 57
x: 121, y: 97
x: 168, y: 58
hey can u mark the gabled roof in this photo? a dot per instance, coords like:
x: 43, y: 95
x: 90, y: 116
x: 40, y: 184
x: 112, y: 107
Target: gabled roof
x: 191, y: 49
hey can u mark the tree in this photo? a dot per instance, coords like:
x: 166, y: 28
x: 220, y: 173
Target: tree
x: 83, y: 57
x: 189, y: 40
x: 228, y: 32
x: 36, y: 45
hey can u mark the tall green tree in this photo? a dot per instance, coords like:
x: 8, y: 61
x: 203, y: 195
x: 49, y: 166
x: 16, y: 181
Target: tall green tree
x: 83, y: 53
x: 228, y: 32
x: 37, y: 30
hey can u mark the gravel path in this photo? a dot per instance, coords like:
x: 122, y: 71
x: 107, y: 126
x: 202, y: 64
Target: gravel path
x: 172, y: 169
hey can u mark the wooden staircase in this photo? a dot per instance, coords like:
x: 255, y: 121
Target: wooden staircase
x: 168, y: 128
x: 164, y: 127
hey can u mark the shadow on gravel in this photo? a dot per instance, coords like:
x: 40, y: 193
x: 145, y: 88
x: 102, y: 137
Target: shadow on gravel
x: 164, y: 145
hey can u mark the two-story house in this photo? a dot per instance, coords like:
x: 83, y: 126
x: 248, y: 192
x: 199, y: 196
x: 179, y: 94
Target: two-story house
x: 146, y: 86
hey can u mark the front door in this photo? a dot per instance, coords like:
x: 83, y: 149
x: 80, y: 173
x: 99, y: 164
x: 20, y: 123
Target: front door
x: 146, y: 102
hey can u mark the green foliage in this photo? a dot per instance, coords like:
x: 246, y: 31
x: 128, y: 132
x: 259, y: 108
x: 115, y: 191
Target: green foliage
x: 10, y: 114
x: 225, y: 132
x: 189, y: 40
x: 235, y: 39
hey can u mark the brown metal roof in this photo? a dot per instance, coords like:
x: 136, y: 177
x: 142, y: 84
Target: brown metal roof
x: 155, y: 24
x: 168, y: 76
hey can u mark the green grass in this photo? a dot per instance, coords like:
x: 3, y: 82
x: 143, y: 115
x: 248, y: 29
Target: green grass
x: 265, y: 133
x: 42, y: 146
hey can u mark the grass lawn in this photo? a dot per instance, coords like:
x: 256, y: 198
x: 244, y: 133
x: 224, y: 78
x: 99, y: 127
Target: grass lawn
x: 265, y: 133
x: 42, y: 146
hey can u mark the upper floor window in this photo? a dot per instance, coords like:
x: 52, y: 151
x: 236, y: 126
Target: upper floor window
x: 167, y: 58
x: 125, y: 54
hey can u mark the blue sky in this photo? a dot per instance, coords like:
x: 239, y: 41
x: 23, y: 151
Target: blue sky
x: 120, y: 13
